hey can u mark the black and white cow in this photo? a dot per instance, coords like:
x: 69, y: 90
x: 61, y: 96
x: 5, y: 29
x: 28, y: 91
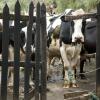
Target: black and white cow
x: 23, y: 40
x: 71, y: 39
x: 89, y: 48
x: 53, y: 31
x: 53, y: 27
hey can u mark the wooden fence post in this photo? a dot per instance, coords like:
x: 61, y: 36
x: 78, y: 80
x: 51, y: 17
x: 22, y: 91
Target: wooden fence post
x: 43, y: 53
x: 16, y: 51
x: 37, y: 54
x: 28, y: 64
x: 5, y: 42
x: 98, y: 53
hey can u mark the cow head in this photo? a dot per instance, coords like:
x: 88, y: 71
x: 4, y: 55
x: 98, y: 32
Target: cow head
x: 78, y: 27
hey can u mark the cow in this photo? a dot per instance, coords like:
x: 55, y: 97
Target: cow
x: 10, y: 57
x: 24, y: 31
x: 89, y: 48
x: 23, y: 40
x: 53, y: 27
x: 53, y: 30
x: 71, y: 41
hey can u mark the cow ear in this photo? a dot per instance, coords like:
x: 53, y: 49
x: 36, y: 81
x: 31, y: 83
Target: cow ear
x: 63, y: 19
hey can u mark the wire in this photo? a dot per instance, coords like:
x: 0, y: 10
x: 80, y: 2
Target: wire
x: 91, y: 71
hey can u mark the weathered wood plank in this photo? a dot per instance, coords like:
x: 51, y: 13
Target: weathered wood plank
x: 28, y: 53
x: 43, y: 53
x: 98, y: 54
x: 5, y: 42
x: 37, y: 55
x: 82, y: 16
x: 82, y: 97
x: 75, y: 94
x: 16, y: 52
x: 22, y: 63
x: 22, y: 17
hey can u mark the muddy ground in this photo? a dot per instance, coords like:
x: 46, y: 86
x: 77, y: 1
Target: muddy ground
x: 55, y: 83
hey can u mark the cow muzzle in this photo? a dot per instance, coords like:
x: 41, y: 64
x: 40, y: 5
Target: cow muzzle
x: 79, y: 40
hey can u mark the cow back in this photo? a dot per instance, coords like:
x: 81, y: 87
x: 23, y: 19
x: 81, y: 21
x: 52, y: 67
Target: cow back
x: 90, y: 37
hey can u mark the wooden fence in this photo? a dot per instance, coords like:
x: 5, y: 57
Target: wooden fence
x: 40, y: 56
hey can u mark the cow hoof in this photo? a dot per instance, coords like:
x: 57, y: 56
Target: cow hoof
x: 82, y: 76
x: 66, y: 86
x: 75, y: 85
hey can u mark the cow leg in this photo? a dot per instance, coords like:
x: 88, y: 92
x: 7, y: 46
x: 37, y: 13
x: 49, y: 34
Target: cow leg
x: 82, y: 76
x: 66, y: 78
x: 10, y: 76
x: 75, y: 71
x: 48, y: 67
x: 66, y: 67
x: 10, y: 69
x: 31, y: 83
x: 73, y: 78
x: 70, y: 77
x: 75, y: 62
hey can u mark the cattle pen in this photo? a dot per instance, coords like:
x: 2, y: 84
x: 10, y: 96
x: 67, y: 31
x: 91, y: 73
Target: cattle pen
x: 40, y: 87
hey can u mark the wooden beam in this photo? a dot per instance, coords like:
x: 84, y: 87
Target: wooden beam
x: 11, y: 63
x: 82, y: 16
x: 23, y: 17
x: 98, y: 53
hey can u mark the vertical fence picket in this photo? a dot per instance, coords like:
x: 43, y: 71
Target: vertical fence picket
x: 40, y: 55
x: 16, y: 51
x: 28, y: 53
x: 98, y: 53
x: 5, y: 42
x: 37, y: 54
x: 43, y: 52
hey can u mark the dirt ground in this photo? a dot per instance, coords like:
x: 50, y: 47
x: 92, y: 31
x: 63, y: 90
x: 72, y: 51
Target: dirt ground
x: 55, y: 83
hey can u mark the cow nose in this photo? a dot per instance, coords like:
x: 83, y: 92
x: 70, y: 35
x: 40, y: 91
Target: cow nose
x: 78, y: 39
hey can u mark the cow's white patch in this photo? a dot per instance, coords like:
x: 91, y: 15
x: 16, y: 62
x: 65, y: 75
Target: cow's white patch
x: 77, y: 31
x: 77, y: 34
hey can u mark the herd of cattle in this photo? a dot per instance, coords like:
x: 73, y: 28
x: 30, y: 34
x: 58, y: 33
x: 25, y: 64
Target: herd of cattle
x: 70, y: 41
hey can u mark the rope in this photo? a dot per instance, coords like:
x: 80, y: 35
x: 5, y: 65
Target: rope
x: 93, y: 96
x: 91, y: 71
